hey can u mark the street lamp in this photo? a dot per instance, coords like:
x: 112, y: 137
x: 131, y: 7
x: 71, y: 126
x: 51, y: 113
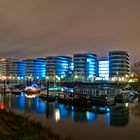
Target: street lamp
x: 75, y: 77
x: 126, y: 78
x: 3, y: 78
x: 47, y: 80
x: 30, y: 82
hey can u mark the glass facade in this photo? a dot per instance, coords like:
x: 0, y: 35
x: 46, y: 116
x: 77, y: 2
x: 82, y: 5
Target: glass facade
x: 12, y: 68
x: 36, y: 68
x: 85, y: 66
x: 82, y: 67
x: 21, y: 70
x: 103, y: 69
x: 58, y: 67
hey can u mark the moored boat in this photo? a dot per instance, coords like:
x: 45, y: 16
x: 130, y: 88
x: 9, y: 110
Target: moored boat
x: 63, y: 98
x: 5, y: 91
x: 32, y: 89
x: 120, y: 98
x: 16, y: 91
x: 102, y: 100
x: 45, y: 97
x: 75, y: 99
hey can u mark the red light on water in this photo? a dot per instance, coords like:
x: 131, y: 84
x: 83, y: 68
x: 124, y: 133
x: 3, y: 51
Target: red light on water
x: 2, y: 106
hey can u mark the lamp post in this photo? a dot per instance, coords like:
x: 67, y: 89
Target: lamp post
x: 47, y: 80
x: 75, y: 78
x: 47, y: 89
x: 126, y: 78
x: 117, y: 78
x: 30, y: 82
x: 3, y: 80
x: 4, y: 86
x: 4, y: 89
x: 58, y: 80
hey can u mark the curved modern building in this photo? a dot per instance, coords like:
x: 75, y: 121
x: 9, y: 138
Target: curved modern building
x: 119, y: 63
x: 58, y: 66
x: 36, y: 68
x: 85, y: 66
x: 13, y: 68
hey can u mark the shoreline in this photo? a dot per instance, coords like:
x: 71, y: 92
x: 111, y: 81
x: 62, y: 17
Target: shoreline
x: 15, y: 126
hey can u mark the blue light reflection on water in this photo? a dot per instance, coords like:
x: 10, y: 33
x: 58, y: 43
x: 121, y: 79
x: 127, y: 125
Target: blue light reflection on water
x: 108, y: 118
x: 38, y: 106
x: 63, y: 111
x: 54, y: 110
x: 24, y: 104
x: 91, y: 116
x: 69, y: 116
x: 72, y: 113
x: 21, y: 101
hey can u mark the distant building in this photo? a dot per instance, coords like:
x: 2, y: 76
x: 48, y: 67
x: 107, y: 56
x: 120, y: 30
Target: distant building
x: 36, y: 68
x: 12, y: 68
x: 119, y: 63
x: 103, y: 69
x: 82, y: 67
x: 85, y: 67
x: 58, y: 67
x: 21, y: 69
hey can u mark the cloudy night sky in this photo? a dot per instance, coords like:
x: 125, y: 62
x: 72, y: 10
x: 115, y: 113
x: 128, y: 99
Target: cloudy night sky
x: 39, y: 28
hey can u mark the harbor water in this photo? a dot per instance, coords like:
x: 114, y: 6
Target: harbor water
x: 94, y: 122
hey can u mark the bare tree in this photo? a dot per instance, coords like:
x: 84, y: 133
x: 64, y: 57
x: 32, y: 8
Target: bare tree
x: 136, y: 68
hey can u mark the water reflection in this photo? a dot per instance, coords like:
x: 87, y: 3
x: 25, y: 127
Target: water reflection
x: 64, y: 110
x: 83, y: 114
x: 39, y: 106
x: 21, y: 102
x: 114, y: 116
x: 119, y: 115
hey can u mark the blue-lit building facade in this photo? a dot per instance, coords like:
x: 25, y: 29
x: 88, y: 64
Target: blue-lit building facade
x: 103, y: 69
x: 35, y: 69
x: 85, y: 67
x: 12, y: 69
x: 58, y: 67
x: 21, y: 69
x: 80, y: 67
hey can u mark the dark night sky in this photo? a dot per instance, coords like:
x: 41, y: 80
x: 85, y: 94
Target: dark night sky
x: 35, y: 28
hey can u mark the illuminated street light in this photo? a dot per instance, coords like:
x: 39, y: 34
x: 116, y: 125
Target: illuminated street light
x: 76, y: 77
x: 126, y: 76
x: 47, y: 78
